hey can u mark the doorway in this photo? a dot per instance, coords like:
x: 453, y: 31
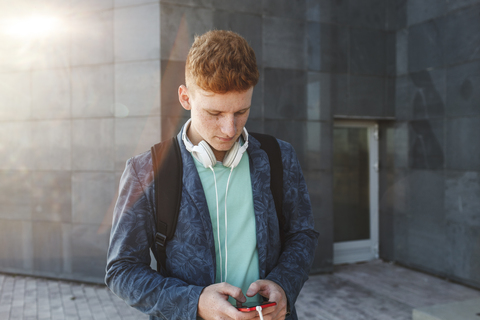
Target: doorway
x: 355, y: 191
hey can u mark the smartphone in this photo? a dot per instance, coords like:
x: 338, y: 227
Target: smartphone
x: 251, y: 306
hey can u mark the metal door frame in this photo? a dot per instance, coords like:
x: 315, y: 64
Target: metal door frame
x: 363, y: 250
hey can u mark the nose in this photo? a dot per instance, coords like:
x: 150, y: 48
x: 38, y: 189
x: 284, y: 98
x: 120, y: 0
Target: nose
x: 228, y: 126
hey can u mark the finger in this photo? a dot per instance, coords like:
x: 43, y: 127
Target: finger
x: 247, y: 315
x: 263, y: 287
x: 271, y: 313
x: 253, y: 289
x: 253, y: 315
x: 269, y: 310
x: 234, y: 292
x: 260, y: 286
x: 213, y: 302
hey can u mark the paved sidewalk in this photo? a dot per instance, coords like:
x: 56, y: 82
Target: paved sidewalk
x: 31, y: 298
x: 375, y: 290
x: 368, y: 291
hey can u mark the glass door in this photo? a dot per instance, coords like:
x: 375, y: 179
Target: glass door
x: 355, y: 191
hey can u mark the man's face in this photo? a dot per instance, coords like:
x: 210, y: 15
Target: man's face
x: 216, y: 118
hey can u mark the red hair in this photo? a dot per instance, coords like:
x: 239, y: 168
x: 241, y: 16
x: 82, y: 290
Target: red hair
x: 221, y: 61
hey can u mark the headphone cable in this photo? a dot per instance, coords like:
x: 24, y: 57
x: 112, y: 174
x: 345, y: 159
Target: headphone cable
x: 218, y: 224
x: 226, y: 226
x: 259, y: 309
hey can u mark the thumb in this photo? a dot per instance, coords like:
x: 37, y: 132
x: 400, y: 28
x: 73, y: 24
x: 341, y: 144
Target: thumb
x: 232, y: 291
x: 254, y: 288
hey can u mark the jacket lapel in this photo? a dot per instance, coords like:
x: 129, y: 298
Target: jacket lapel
x: 260, y: 177
x: 192, y: 185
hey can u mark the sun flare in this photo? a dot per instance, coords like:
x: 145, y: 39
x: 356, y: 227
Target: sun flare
x: 34, y: 26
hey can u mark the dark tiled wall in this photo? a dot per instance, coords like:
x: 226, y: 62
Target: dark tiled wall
x: 431, y: 190
x: 347, y: 41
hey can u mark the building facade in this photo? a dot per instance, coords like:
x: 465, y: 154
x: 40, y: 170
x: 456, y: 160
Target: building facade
x: 77, y: 101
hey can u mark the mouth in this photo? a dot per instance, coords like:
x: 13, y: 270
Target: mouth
x: 226, y: 139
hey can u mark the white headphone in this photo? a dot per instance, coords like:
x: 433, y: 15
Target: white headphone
x: 203, y: 153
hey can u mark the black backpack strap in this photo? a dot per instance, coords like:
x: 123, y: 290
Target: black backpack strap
x: 270, y: 145
x: 168, y: 173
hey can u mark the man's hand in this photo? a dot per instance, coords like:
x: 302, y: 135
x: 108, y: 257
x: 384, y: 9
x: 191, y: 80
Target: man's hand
x: 273, y: 292
x: 213, y: 303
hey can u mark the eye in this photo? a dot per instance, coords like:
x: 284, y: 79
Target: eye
x: 215, y: 114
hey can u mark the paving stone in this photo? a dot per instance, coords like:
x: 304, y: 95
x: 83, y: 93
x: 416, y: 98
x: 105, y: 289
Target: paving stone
x: 369, y: 291
x: 465, y: 310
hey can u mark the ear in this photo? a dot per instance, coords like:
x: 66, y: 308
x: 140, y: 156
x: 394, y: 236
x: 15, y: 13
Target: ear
x: 184, y: 97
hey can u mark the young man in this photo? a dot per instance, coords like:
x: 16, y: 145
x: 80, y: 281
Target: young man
x: 226, y: 248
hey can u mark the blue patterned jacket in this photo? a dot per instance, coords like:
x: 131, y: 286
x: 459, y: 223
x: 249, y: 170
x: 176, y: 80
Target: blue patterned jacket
x: 190, y: 261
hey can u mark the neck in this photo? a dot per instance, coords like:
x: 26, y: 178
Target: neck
x: 219, y: 155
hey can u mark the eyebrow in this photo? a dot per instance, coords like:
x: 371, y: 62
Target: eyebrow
x: 219, y: 111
